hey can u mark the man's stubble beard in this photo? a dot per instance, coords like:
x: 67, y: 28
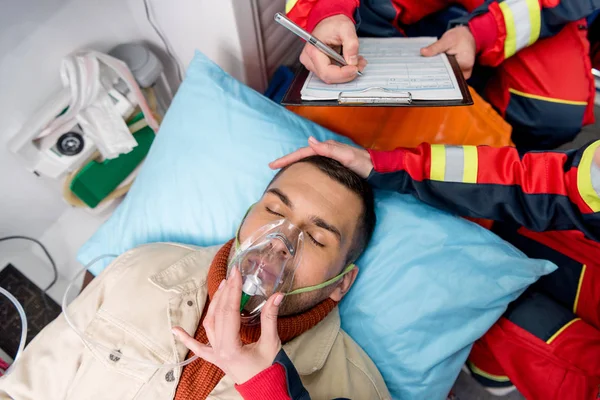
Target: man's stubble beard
x: 302, y: 302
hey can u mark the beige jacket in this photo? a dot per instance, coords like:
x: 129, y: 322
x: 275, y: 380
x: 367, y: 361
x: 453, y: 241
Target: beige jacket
x: 132, y: 306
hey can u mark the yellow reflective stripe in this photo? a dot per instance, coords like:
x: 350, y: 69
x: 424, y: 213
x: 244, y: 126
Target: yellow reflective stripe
x: 561, y: 330
x: 549, y: 99
x: 510, y: 43
x: 522, y: 19
x: 438, y: 162
x: 289, y: 4
x: 497, y: 378
x: 454, y: 164
x: 578, y: 290
x: 471, y: 164
x: 584, y: 178
x: 535, y: 18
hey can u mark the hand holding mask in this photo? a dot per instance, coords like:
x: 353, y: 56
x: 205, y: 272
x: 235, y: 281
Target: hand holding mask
x: 222, y: 323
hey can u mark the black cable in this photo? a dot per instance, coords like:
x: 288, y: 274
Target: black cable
x: 162, y: 38
x: 54, y: 269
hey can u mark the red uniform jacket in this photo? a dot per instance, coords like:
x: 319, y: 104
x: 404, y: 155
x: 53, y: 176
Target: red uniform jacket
x: 500, y: 28
x: 548, y: 205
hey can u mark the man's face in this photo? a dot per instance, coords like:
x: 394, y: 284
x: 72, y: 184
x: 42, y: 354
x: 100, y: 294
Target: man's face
x: 328, y: 214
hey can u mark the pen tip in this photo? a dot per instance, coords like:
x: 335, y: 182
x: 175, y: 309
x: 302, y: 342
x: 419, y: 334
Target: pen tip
x: 359, y: 73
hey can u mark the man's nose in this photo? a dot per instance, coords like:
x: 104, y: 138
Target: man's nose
x: 280, y: 247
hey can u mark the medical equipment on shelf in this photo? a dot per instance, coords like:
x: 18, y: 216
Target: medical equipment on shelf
x: 101, y: 181
x: 148, y: 72
x: 21, y: 312
x: 99, y: 94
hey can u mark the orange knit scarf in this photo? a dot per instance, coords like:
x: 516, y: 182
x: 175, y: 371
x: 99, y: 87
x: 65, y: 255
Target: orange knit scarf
x: 199, y: 378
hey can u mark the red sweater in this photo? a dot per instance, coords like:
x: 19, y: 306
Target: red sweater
x: 278, y: 382
x: 270, y: 384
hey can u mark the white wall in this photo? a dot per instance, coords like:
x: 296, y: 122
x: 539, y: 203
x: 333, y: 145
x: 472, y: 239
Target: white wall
x: 207, y: 25
x: 34, y: 36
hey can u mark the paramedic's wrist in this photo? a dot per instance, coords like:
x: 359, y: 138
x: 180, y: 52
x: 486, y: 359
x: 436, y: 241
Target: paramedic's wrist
x: 364, y: 164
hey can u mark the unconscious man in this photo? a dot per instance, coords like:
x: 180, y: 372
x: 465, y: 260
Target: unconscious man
x: 301, y: 238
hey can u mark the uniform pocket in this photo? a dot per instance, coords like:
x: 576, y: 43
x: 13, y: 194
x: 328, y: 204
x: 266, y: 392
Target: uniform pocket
x: 103, y: 375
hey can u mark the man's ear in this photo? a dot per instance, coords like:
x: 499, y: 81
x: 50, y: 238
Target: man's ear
x: 344, y: 285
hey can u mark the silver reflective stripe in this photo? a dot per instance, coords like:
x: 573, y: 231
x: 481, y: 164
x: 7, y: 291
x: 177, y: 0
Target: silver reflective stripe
x: 596, y: 178
x: 522, y: 22
x: 455, y: 164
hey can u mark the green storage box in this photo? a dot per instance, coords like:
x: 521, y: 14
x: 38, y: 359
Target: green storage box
x: 96, y: 180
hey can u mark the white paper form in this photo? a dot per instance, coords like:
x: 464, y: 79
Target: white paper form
x: 394, y: 64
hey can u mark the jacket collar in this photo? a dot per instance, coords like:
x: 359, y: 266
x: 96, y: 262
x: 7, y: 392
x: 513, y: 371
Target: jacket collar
x: 310, y: 350
x: 188, y: 273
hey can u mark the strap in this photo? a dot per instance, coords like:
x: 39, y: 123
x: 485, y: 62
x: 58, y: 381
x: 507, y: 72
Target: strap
x: 324, y: 284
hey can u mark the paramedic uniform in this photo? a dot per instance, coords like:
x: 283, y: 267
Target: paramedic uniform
x: 548, y: 205
x: 541, y: 83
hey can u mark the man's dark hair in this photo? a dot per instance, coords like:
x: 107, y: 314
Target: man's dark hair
x: 356, y: 184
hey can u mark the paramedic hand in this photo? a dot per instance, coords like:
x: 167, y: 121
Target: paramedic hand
x: 459, y: 42
x: 353, y: 158
x: 222, y: 324
x: 337, y: 30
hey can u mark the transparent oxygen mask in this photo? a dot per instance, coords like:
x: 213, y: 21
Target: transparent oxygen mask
x: 267, y: 261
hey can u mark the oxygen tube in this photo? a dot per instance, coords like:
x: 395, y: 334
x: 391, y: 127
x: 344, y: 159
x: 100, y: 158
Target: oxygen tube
x: 21, y: 312
x: 114, y: 354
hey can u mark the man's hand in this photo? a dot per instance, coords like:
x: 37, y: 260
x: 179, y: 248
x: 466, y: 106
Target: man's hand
x: 459, y: 42
x: 222, y: 324
x: 358, y: 160
x: 337, y: 30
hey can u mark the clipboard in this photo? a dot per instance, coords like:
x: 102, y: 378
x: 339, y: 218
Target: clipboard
x: 362, y: 99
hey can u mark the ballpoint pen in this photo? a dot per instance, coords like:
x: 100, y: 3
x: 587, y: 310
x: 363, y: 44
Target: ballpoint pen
x: 295, y: 29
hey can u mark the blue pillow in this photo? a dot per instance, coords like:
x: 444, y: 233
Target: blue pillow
x: 429, y: 285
